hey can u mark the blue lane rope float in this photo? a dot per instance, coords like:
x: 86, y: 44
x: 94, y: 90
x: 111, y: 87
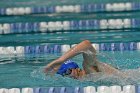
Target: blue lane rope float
x: 88, y: 89
x: 52, y: 27
x: 138, y: 89
x: 53, y: 49
x: 36, y: 90
x: 63, y: 90
x: 118, y: 46
x: 128, y: 6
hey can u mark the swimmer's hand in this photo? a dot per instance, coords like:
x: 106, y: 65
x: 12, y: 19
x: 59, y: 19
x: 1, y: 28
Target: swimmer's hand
x: 52, y: 67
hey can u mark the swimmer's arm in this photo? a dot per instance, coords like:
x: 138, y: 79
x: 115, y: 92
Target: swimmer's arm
x: 108, y: 69
x: 53, y: 66
x: 80, y: 48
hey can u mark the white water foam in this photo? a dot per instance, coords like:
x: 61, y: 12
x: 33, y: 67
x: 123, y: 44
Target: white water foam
x: 132, y: 77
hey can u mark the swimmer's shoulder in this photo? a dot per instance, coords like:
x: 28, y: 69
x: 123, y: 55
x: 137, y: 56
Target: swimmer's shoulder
x: 107, y: 68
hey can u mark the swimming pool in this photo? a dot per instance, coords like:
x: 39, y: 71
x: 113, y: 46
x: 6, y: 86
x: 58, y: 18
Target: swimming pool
x: 26, y: 69
x: 35, y: 33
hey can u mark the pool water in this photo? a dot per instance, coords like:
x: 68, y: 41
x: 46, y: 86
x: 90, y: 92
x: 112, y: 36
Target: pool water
x: 26, y: 71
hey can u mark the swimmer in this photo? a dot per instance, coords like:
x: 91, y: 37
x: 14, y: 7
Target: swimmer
x: 66, y: 67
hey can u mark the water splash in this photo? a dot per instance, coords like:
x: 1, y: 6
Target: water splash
x: 55, y: 79
x: 132, y: 76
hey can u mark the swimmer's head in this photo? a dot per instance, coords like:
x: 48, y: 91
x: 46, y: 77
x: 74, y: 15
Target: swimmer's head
x: 66, y: 68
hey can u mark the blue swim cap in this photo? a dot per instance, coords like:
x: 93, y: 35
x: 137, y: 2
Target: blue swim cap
x: 69, y: 64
